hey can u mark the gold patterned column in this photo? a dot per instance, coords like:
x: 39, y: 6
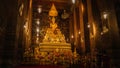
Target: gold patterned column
x: 90, y: 22
x: 81, y: 9
x: 75, y: 29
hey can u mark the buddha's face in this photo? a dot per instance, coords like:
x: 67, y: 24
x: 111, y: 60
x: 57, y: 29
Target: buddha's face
x: 53, y: 19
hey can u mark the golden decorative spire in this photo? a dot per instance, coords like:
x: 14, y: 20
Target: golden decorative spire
x: 53, y: 11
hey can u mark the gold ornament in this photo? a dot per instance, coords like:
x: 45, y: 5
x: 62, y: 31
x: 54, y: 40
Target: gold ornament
x: 53, y: 11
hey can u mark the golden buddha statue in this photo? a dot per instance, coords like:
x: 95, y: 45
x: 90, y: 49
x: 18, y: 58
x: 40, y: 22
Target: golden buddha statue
x: 53, y: 39
x: 53, y: 34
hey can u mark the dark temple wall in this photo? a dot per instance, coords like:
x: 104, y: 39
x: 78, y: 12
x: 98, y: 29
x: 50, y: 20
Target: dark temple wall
x: 107, y: 41
x: 8, y: 16
x: 12, y: 39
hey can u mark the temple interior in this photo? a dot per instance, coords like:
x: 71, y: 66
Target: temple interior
x: 59, y: 33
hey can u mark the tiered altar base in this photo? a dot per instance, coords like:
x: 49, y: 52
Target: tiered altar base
x: 53, y: 53
x: 48, y: 47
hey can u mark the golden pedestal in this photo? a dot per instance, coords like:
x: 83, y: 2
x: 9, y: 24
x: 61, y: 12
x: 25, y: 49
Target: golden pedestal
x: 48, y: 47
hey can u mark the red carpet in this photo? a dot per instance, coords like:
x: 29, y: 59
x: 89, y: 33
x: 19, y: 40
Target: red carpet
x: 40, y: 66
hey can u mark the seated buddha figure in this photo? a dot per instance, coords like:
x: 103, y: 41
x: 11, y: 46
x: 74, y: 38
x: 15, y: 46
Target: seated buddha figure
x: 53, y: 25
x: 53, y: 34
